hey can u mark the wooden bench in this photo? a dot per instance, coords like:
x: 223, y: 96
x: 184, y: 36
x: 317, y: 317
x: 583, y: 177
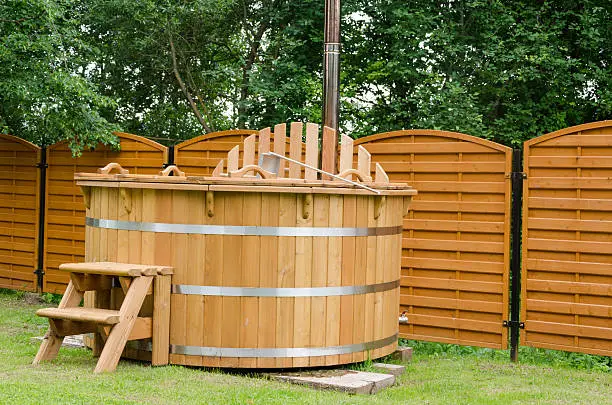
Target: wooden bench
x: 115, y: 327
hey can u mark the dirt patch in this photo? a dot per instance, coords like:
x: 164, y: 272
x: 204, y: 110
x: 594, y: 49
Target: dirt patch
x: 32, y: 299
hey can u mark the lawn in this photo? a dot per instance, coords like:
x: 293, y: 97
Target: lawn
x: 438, y: 374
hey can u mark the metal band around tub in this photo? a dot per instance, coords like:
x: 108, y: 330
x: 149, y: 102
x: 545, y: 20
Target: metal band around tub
x: 241, y: 230
x: 280, y: 352
x: 283, y: 292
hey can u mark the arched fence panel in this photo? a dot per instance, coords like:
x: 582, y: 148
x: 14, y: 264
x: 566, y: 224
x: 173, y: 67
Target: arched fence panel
x: 65, y: 210
x: 19, y: 204
x: 455, y: 257
x: 567, y: 240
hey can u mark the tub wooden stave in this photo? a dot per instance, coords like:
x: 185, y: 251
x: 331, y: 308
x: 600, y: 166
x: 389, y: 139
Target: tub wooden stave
x: 260, y: 262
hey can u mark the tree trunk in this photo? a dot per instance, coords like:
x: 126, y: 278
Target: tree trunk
x: 193, y: 105
x: 244, y: 89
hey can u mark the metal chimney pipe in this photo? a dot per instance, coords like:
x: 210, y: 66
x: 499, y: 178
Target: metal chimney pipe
x: 331, y: 70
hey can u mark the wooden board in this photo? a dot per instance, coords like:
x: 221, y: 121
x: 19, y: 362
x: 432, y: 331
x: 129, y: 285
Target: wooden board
x: 19, y: 199
x: 567, y: 240
x: 456, y: 236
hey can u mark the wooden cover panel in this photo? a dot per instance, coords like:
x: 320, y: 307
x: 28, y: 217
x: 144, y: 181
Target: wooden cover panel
x: 19, y: 190
x: 65, y: 211
x: 567, y: 240
x: 455, y: 257
x: 200, y: 155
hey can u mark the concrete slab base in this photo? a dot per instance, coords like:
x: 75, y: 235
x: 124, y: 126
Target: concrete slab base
x: 350, y: 381
x: 403, y: 354
x: 395, y: 369
x: 69, y: 341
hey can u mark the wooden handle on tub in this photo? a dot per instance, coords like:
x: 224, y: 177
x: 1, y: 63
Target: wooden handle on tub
x: 349, y: 172
x: 255, y: 169
x: 109, y: 167
x: 172, y: 169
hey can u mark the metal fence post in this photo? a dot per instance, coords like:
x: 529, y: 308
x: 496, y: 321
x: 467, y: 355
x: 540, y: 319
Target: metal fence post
x: 40, y: 272
x: 170, y: 160
x: 515, y: 261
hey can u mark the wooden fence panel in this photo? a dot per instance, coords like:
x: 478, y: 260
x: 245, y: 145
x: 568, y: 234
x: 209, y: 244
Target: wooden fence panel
x: 19, y: 191
x: 65, y: 212
x: 455, y: 258
x: 200, y: 155
x: 567, y: 240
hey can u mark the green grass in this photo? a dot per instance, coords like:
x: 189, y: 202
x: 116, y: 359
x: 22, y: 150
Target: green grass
x: 439, y: 374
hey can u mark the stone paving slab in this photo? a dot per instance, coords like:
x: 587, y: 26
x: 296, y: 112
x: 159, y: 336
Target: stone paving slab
x: 69, y: 341
x: 350, y: 381
x: 395, y: 369
x: 403, y: 354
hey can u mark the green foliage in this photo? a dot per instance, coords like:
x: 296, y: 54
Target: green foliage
x: 244, y: 63
x: 508, y: 71
x: 578, y: 361
x: 45, y: 94
x: 527, y: 355
x: 18, y: 294
x: 135, y: 64
x: 366, y: 365
x: 286, y: 82
x: 502, y: 70
x: 51, y: 298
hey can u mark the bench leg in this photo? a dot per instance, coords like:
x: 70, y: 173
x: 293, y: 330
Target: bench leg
x: 115, y: 343
x: 101, y: 299
x: 52, y: 342
x: 161, y: 321
x: 49, y: 347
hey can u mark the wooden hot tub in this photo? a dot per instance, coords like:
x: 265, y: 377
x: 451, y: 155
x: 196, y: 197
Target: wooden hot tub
x: 267, y: 273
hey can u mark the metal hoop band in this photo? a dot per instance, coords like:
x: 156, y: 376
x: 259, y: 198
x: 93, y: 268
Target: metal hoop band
x: 241, y: 230
x: 280, y: 352
x: 282, y: 292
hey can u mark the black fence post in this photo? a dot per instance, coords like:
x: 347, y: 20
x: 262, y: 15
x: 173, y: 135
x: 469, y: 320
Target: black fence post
x: 170, y: 161
x: 40, y: 272
x: 515, y: 261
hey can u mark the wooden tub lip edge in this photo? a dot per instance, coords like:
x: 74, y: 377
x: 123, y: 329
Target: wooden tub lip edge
x: 214, y: 184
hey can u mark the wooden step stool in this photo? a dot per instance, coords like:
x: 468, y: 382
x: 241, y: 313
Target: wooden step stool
x: 115, y: 326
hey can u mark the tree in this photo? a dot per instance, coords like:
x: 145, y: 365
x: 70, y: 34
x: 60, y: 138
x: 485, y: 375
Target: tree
x: 507, y: 71
x: 45, y: 94
x: 503, y: 70
x: 179, y: 69
x: 170, y: 65
x: 285, y: 79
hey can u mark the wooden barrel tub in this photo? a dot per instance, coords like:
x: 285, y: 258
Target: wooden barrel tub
x: 265, y: 276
